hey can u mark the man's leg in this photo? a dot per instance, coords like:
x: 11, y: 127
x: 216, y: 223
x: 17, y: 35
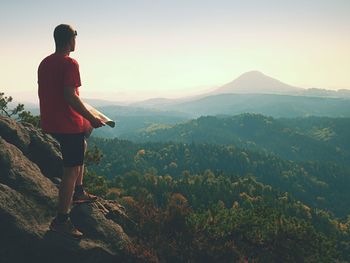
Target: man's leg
x: 73, y: 155
x: 61, y: 223
x: 67, y: 185
x: 80, y: 195
x: 79, y: 180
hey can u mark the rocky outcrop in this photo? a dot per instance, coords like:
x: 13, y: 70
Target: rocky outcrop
x: 29, y: 161
x: 38, y: 147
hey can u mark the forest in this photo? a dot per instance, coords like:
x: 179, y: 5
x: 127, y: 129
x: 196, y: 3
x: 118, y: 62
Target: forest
x: 216, y: 202
x: 298, y: 139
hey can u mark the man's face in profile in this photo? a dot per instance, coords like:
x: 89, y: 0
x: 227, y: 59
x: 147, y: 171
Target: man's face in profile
x: 72, y: 41
x: 72, y: 44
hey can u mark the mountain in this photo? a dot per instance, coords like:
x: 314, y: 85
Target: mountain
x: 249, y: 83
x: 254, y: 92
x: 257, y: 83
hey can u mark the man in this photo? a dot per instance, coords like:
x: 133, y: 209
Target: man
x: 65, y: 117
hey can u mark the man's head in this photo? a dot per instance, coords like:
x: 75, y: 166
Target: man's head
x: 64, y: 36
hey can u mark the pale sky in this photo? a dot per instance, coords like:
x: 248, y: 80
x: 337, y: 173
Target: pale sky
x: 139, y: 49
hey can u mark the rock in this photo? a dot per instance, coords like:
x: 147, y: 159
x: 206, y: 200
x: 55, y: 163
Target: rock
x: 117, y: 213
x: 24, y: 176
x: 44, y: 151
x: 37, y: 146
x: 14, y: 133
x: 91, y: 219
x: 29, y: 159
x: 18, y: 213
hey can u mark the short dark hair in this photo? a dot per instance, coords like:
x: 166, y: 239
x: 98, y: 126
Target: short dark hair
x: 63, y: 34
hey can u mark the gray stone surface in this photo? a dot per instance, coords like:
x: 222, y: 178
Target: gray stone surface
x: 28, y: 200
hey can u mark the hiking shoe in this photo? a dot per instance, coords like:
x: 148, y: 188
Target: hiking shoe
x: 66, y: 228
x: 84, y: 198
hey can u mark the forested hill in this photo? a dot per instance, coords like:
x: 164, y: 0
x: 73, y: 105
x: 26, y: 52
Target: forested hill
x: 312, y: 138
x: 318, y: 184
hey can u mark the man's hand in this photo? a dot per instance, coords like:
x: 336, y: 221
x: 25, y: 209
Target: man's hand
x: 74, y: 101
x: 96, y: 123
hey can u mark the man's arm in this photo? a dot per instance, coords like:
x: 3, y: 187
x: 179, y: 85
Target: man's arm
x: 74, y: 101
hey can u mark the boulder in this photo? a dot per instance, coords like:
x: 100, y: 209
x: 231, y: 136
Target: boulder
x: 29, y: 163
x: 36, y: 145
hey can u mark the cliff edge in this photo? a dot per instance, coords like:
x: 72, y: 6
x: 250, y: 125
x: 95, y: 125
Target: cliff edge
x: 30, y: 163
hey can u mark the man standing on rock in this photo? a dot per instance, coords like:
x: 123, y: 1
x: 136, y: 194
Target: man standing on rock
x: 64, y: 116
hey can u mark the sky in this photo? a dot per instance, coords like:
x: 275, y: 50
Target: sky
x: 131, y: 50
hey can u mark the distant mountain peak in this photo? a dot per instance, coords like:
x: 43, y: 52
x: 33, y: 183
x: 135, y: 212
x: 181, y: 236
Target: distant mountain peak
x: 253, y: 73
x: 257, y: 82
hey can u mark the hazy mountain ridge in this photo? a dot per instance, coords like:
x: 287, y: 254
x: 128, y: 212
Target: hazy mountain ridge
x: 131, y: 121
x: 252, y: 82
x: 257, y: 93
x: 266, y: 104
x: 254, y: 92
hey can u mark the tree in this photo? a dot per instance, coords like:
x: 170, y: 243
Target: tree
x: 4, y: 110
x: 22, y: 115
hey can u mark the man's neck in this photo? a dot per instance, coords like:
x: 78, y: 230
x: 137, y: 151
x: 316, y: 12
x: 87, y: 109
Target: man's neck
x: 64, y: 52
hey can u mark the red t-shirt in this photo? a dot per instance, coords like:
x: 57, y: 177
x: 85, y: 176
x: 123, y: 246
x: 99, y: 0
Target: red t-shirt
x: 54, y: 73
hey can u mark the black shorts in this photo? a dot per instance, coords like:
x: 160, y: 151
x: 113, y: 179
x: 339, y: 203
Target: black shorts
x: 72, y: 148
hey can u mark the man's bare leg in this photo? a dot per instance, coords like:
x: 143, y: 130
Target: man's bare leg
x: 79, y: 180
x: 70, y: 175
x: 80, y: 177
x: 80, y: 195
x: 61, y: 223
